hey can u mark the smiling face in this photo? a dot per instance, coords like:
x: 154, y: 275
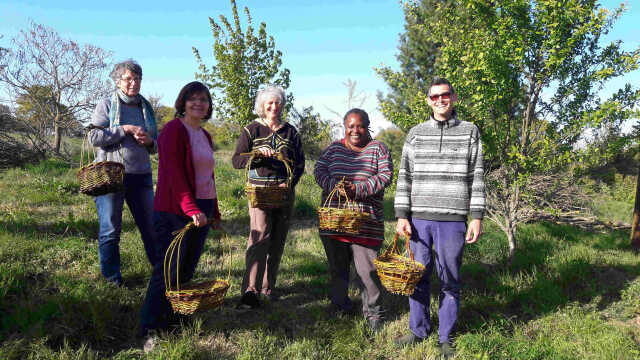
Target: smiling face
x: 196, y: 106
x: 355, y: 130
x: 441, y: 100
x: 129, y: 83
x: 272, y: 108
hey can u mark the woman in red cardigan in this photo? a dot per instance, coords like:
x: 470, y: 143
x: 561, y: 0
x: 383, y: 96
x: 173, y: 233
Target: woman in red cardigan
x: 186, y: 191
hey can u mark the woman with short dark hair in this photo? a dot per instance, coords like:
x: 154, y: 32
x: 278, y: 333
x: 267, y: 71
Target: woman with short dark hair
x: 125, y: 131
x: 366, y: 168
x: 186, y: 191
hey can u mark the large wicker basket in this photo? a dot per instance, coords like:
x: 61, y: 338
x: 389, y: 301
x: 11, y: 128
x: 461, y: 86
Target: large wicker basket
x: 196, y: 296
x: 268, y: 196
x: 99, y: 178
x: 346, y: 218
x: 398, y: 273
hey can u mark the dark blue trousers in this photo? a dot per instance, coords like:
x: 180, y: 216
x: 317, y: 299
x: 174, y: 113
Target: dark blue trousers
x: 156, y: 307
x: 447, y: 240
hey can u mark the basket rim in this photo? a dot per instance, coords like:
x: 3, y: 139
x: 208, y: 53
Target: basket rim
x: 100, y: 163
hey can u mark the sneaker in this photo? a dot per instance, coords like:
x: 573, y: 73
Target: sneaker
x: 410, y: 339
x: 249, y: 301
x: 446, y: 350
x: 150, y: 341
x: 375, y: 324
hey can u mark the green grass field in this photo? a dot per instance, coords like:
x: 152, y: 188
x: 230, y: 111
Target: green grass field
x: 568, y: 294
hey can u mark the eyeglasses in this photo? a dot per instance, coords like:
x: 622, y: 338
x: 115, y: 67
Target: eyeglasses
x: 443, y: 96
x: 129, y: 80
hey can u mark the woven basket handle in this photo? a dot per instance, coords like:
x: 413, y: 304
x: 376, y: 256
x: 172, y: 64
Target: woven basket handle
x: 175, y: 243
x: 85, y: 145
x: 394, y: 248
x: 278, y: 156
x: 339, y: 191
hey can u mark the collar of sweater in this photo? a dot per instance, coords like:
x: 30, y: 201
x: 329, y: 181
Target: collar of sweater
x: 450, y: 122
x: 265, y: 123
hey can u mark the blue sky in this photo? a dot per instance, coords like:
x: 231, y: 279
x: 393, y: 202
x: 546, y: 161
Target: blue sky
x: 324, y: 43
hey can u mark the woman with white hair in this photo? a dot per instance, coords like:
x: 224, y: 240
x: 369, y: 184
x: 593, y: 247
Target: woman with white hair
x: 124, y: 130
x: 269, y: 135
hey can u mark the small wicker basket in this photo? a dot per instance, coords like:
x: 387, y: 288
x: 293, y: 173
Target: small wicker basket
x: 397, y: 273
x: 346, y: 218
x: 197, y: 296
x: 99, y: 178
x: 268, y: 196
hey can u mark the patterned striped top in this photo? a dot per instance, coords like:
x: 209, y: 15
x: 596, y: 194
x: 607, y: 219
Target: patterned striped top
x: 441, y: 175
x: 371, y: 170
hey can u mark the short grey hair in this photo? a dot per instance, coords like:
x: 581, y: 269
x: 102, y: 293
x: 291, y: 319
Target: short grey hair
x: 120, y: 68
x: 265, y: 94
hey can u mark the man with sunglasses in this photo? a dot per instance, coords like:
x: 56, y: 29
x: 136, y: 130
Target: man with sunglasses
x: 440, y: 183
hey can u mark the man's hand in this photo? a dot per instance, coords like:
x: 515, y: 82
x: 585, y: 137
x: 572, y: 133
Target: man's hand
x: 403, y: 227
x: 474, y: 231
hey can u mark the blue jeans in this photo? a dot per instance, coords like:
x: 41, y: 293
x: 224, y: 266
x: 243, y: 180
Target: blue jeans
x: 138, y: 192
x: 447, y: 239
x: 156, y: 307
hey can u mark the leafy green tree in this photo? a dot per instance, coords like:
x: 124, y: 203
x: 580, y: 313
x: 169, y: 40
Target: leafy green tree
x: 244, y: 61
x: 529, y: 74
x: 314, y: 131
x: 417, y: 56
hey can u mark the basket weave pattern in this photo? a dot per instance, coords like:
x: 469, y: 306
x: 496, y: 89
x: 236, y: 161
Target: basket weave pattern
x: 197, y: 296
x: 398, y: 273
x: 268, y: 196
x: 346, y: 218
x: 99, y: 178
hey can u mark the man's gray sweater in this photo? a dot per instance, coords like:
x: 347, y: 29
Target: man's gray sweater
x: 441, y: 174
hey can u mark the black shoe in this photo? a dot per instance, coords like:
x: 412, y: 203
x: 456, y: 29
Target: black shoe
x: 273, y: 296
x: 249, y: 301
x: 337, y: 311
x: 410, y: 339
x: 446, y: 350
x: 375, y: 325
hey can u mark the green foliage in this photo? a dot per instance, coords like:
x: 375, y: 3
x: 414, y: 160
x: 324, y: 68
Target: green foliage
x: 528, y: 74
x: 394, y: 139
x: 569, y: 294
x: 405, y: 105
x: 314, y: 132
x: 244, y: 62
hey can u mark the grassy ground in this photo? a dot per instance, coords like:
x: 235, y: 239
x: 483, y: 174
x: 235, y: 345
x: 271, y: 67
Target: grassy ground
x: 568, y: 294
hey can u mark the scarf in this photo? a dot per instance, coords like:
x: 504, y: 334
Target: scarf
x: 147, y: 111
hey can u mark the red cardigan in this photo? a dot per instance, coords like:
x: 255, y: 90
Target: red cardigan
x: 175, y: 191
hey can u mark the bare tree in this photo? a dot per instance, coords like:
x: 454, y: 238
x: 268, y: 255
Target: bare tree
x: 74, y: 74
x: 355, y: 98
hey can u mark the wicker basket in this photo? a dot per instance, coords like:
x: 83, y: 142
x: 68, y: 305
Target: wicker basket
x: 268, y: 196
x: 397, y: 273
x: 346, y: 218
x: 99, y: 178
x: 197, y: 296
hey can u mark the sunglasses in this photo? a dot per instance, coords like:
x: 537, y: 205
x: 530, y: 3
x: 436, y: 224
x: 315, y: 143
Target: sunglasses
x: 443, y: 96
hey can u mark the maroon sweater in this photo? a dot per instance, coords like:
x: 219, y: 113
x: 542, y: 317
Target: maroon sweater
x: 175, y: 191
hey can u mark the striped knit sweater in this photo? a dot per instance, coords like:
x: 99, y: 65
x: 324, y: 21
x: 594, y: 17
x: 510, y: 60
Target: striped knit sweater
x: 441, y: 175
x: 370, y: 170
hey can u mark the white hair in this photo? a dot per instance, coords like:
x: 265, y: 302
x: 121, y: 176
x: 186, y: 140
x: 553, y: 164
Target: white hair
x: 268, y: 92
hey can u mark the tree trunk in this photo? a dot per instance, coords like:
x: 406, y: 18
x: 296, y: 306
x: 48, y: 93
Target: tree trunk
x: 511, y: 238
x: 635, y: 227
x: 57, y: 137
